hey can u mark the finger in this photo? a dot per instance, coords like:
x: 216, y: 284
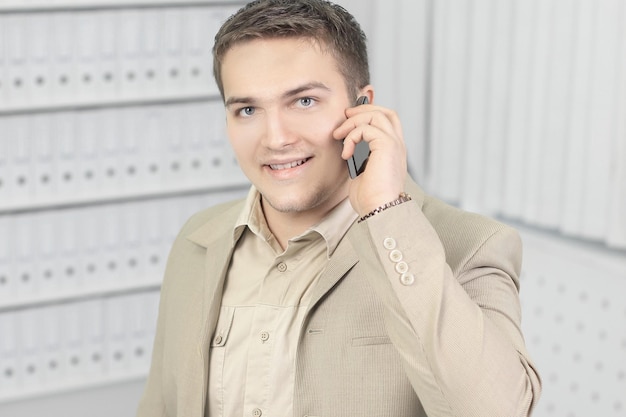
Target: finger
x: 376, y: 138
x: 380, y: 114
x: 376, y: 119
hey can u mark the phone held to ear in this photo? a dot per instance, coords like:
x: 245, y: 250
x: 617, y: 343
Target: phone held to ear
x: 358, y: 160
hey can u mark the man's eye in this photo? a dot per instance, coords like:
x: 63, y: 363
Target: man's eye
x: 246, y: 111
x: 306, y: 101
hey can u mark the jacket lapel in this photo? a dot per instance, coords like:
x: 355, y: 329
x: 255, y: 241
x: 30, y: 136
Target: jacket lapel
x: 342, y: 260
x: 217, y: 237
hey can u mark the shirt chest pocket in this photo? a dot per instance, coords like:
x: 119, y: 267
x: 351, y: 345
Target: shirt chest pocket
x: 222, y: 330
x: 217, y: 354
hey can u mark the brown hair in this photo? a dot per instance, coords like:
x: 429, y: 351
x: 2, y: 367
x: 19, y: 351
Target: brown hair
x: 329, y: 24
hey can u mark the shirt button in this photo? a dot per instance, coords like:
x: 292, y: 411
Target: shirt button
x: 265, y: 336
x: 402, y: 267
x: 389, y: 243
x: 407, y: 279
x: 282, y: 267
x: 218, y: 340
x: 395, y: 255
x: 257, y: 412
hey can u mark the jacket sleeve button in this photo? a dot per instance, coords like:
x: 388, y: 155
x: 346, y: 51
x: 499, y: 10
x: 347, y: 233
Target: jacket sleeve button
x: 395, y: 255
x: 389, y: 243
x: 407, y: 279
x: 402, y: 267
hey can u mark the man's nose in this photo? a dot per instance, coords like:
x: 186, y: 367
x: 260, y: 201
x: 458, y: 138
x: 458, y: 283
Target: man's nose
x: 278, y: 133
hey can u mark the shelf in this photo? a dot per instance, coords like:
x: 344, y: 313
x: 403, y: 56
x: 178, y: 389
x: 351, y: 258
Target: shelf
x: 46, y: 5
x: 225, y: 184
x: 67, y: 295
x: 105, y: 103
x: 69, y: 386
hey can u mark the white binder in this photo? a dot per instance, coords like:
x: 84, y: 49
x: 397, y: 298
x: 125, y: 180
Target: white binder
x: 48, y: 268
x: 7, y: 266
x: 111, y: 159
x: 65, y: 81
x: 137, y: 329
x: 38, y: 82
x: 89, y: 172
x: 26, y: 280
x: 9, y: 353
x: 70, y: 246
x: 172, y: 149
x: 129, y: 56
x: 153, y: 76
x: 20, y: 185
x: 30, y: 363
x: 116, y: 331
x: 4, y: 72
x: 153, y: 239
x: 110, y: 235
x: 73, y: 336
x: 199, y: 28
x: 131, y: 262
x: 52, y: 328
x: 5, y: 161
x: 172, y: 63
x: 66, y: 156
x: 15, y: 77
x: 87, y: 59
x: 44, y: 174
x: 94, y: 339
x: 91, y: 261
x: 108, y: 56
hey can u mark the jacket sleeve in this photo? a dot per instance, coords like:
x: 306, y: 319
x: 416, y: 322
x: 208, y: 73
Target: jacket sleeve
x: 453, y: 311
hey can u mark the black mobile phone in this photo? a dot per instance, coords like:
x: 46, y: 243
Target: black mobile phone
x: 358, y: 160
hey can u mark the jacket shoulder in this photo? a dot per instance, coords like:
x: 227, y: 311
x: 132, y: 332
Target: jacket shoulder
x: 224, y: 213
x: 463, y: 233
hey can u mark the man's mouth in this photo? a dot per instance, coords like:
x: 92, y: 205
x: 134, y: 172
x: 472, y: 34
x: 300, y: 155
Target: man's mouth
x: 288, y: 165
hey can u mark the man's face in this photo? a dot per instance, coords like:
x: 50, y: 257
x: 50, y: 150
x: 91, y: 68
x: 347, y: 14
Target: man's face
x: 284, y: 98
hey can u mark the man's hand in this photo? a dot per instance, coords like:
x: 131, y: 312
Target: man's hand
x: 385, y: 173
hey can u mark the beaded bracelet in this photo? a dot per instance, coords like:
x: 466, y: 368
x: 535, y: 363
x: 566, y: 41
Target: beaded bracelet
x: 402, y: 198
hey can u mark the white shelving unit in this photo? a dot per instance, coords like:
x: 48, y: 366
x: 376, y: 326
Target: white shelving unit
x: 111, y: 135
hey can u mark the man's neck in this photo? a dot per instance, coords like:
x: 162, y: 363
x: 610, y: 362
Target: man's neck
x: 287, y: 225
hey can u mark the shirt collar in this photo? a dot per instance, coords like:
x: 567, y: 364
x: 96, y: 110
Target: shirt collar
x: 332, y: 227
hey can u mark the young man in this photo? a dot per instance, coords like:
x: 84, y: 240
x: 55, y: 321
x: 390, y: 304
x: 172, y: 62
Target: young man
x: 321, y: 295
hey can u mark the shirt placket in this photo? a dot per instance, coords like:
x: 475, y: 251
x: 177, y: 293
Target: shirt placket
x: 262, y: 342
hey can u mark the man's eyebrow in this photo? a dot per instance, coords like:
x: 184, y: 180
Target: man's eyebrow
x: 305, y: 87
x: 289, y: 93
x: 238, y: 100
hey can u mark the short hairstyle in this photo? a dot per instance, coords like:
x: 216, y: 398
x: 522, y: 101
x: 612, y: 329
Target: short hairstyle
x: 329, y: 24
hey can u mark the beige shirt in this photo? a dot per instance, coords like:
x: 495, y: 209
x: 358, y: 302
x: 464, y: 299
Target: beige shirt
x: 266, y: 293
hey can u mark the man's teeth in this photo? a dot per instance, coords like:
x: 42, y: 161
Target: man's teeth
x: 287, y: 165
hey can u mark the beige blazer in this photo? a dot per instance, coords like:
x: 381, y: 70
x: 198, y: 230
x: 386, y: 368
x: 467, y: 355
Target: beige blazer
x: 374, y: 342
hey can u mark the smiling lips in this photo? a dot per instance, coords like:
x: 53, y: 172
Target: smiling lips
x: 278, y: 167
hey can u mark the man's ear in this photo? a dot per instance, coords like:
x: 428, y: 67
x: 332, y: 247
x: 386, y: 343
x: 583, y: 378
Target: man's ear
x: 367, y: 91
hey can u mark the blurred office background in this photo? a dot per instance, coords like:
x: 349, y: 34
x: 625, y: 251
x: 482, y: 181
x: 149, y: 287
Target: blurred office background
x: 111, y: 134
